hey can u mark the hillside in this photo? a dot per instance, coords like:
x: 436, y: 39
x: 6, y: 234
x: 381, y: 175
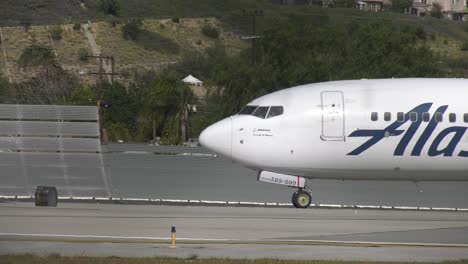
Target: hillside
x: 129, y: 54
x: 29, y: 22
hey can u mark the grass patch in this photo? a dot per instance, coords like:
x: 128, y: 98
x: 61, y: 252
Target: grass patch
x: 161, y: 40
x: 56, y: 259
x: 155, y: 41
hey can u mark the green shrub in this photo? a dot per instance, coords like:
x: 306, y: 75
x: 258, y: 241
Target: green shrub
x: 175, y: 20
x: 114, y: 22
x: 110, y: 7
x: 119, y: 131
x: 154, y: 41
x: 83, y: 54
x: 210, y: 31
x: 420, y: 33
x: 35, y: 55
x: 56, y: 32
x: 131, y: 30
x: 26, y: 25
x: 82, y: 95
x: 77, y: 26
x: 464, y: 46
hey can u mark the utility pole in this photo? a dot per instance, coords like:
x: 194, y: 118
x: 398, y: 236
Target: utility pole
x: 100, y: 74
x: 253, y: 14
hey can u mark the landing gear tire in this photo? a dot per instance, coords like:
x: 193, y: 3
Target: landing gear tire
x: 294, y: 198
x: 301, y: 199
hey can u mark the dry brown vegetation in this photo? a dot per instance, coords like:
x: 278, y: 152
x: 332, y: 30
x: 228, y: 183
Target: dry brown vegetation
x: 129, y: 54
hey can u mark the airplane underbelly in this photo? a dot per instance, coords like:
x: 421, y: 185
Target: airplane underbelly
x: 361, y: 174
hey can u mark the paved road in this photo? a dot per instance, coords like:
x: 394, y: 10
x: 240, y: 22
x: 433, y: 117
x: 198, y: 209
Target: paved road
x: 171, y: 173
x: 233, y: 232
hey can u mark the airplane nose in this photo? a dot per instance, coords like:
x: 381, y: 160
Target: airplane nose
x: 217, y: 137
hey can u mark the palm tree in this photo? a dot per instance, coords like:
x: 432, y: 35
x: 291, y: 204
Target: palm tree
x: 167, y: 106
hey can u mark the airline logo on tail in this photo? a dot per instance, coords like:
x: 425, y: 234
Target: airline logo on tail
x: 454, y: 134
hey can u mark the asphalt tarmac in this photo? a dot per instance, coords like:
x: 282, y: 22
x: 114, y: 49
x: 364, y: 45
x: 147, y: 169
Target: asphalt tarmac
x: 143, y: 230
x: 192, y: 173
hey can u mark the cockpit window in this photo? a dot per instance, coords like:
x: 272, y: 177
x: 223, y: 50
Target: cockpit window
x: 261, y: 112
x: 275, y: 111
x: 248, y: 109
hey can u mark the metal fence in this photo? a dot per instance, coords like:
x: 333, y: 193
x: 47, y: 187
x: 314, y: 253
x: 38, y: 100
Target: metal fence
x: 53, y: 146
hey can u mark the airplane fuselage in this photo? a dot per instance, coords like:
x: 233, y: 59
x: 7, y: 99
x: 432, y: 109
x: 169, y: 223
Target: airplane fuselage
x: 389, y: 129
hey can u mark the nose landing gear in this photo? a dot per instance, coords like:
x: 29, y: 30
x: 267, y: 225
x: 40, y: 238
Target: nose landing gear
x: 302, y: 198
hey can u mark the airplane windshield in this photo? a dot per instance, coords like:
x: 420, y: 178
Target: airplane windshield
x: 275, y: 111
x: 263, y: 112
x: 248, y: 109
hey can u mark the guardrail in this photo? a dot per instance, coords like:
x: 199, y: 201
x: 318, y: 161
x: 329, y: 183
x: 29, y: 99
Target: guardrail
x: 179, y: 202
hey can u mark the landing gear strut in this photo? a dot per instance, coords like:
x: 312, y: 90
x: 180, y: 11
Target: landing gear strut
x: 302, y: 198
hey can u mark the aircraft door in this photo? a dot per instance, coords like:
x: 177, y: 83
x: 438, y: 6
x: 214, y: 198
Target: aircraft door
x: 333, y: 119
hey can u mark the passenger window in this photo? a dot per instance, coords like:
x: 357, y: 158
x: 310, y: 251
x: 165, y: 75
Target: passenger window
x: 374, y: 116
x: 426, y: 117
x: 275, y: 111
x: 413, y: 116
x: 465, y: 118
x: 248, y: 110
x: 261, y: 111
x: 400, y: 116
x: 452, y: 118
x: 439, y: 118
x: 387, y: 116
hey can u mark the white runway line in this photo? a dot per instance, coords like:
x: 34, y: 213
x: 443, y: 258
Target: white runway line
x: 240, y: 241
x: 272, y: 204
x: 114, y: 237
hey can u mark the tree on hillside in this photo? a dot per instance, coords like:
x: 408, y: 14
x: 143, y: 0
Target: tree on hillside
x: 210, y: 31
x: 401, y: 5
x: 120, y: 111
x: 167, y: 106
x: 110, y: 7
x: 51, y: 85
x: 83, y: 95
x: 132, y: 29
x: 36, y: 55
x: 293, y: 52
x: 382, y: 50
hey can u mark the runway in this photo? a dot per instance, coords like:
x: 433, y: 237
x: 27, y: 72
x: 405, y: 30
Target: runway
x: 192, y: 173
x: 144, y: 230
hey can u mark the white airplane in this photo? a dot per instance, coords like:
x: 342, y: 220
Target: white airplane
x: 386, y: 129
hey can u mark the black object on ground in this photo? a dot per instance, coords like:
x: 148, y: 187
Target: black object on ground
x: 46, y: 196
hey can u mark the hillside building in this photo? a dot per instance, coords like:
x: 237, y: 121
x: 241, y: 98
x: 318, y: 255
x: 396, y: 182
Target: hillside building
x: 453, y: 9
x: 370, y: 5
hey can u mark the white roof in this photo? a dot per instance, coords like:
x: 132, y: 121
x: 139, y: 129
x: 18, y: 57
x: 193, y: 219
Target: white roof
x: 192, y: 80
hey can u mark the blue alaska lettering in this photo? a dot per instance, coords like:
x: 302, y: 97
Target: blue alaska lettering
x: 376, y: 135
